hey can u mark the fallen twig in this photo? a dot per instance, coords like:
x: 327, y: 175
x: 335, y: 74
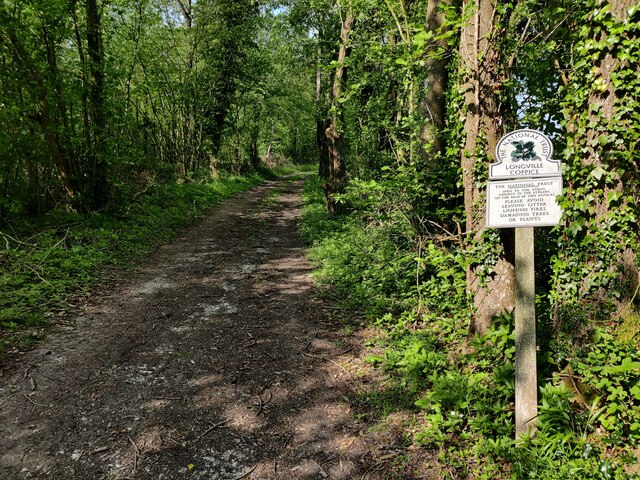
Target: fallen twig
x: 37, y: 274
x: 307, y: 345
x: 54, y: 247
x: 322, y: 472
x: 261, y: 404
x: 213, y: 427
x: 8, y: 237
x: 100, y: 450
x: 318, y: 354
x: 136, y: 454
x: 35, y: 403
x: 246, y: 474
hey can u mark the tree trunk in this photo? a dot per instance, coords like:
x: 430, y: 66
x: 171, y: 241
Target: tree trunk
x: 433, y: 106
x: 86, y: 129
x: 334, y: 137
x: 603, y: 139
x: 97, y: 165
x: 492, y: 294
x: 321, y: 121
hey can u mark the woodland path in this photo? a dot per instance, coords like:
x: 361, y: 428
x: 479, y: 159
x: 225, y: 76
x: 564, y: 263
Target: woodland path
x: 213, y: 360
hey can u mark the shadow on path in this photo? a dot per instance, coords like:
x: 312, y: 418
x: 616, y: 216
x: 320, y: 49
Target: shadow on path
x: 214, y: 360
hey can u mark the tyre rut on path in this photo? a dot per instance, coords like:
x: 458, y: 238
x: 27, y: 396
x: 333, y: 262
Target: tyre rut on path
x: 210, y: 361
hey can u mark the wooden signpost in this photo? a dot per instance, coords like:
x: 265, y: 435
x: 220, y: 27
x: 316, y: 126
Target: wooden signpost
x: 521, y: 194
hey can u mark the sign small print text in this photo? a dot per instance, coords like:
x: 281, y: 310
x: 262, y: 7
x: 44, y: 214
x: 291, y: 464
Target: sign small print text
x: 524, y: 203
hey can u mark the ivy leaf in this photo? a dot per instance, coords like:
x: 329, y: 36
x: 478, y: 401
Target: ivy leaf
x: 613, y: 198
x: 598, y: 172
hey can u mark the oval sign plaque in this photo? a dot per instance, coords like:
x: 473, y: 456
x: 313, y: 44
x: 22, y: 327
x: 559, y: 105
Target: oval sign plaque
x: 524, y: 154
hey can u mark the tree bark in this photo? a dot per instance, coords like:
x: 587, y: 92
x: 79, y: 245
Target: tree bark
x: 433, y: 106
x: 334, y: 137
x: 97, y: 164
x: 603, y: 104
x: 479, y: 58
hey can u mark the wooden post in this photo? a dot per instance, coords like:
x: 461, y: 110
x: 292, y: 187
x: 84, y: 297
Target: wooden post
x: 525, y: 317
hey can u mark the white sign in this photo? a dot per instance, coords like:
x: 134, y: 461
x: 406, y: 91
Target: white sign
x: 524, y: 203
x: 524, y: 154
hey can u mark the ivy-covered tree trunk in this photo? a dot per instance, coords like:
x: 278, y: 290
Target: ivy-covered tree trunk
x: 618, y: 75
x: 597, y: 266
x: 490, y: 274
x: 334, y: 137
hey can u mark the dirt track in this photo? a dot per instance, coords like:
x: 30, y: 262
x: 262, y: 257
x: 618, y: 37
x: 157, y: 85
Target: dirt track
x: 215, y: 360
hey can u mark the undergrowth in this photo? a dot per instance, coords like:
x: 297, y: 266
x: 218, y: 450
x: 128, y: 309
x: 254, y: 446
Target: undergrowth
x: 461, y: 389
x: 46, y: 260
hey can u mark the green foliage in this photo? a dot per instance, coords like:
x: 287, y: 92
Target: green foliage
x: 610, y: 370
x: 373, y: 256
x: 189, y: 89
x: 460, y: 389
